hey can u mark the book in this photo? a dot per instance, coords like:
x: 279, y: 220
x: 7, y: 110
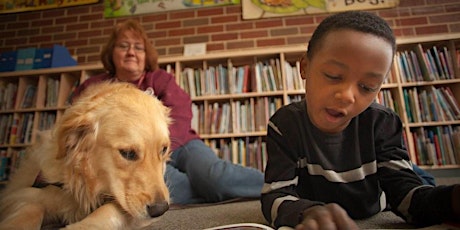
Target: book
x: 29, y: 97
x: 247, y: 226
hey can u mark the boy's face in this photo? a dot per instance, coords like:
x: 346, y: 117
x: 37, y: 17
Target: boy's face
x: 344, y: 76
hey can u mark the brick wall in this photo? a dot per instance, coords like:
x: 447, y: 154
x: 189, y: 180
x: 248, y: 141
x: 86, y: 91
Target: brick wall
x: 83, y: 29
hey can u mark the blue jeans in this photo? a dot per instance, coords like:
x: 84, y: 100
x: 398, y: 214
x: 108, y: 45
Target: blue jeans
x: 196, y: 175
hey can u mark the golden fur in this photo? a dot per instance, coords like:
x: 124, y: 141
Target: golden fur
x: 108, y: 151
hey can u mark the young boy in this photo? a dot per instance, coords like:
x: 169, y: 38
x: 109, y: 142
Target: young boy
x: 337, y: 155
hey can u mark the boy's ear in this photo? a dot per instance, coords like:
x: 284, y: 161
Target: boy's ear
x: 304, y: 61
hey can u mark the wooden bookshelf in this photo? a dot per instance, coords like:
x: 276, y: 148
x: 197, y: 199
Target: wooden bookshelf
x: 242, y: 140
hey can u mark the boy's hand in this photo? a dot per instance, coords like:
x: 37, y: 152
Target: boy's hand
x: 329, y: 216
x: 456, y: 202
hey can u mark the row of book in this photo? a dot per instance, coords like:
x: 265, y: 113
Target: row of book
x: 249, y: 152
x: 9, y: 161
x: 431, y: 104
x: 8, y: 94
x: 258, y: 77
x: 16, y: 128
x: 385, y: 97
x: 238, y: 116
x: 421, y: 64
x: 436, y: 146
x: 52, y: 92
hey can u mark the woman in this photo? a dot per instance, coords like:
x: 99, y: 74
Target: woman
x: 194, y: 174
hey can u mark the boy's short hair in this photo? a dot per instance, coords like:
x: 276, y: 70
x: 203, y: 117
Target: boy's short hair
x: 354, y: 20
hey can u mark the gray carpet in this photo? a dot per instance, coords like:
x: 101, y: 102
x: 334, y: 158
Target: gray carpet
x: 208, y: 216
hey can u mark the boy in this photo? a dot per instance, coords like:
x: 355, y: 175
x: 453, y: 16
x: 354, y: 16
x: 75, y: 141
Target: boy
x: 337, y: 155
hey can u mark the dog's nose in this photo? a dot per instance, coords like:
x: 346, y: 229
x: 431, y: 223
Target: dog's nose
x: 157, y: 209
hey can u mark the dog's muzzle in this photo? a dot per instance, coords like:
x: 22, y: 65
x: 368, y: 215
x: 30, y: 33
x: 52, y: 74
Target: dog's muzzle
x: 157, y: 209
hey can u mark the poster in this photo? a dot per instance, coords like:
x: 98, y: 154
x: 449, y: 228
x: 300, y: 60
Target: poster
x: 119, y: 8
x: 14, y: 6
x: 256, y: 9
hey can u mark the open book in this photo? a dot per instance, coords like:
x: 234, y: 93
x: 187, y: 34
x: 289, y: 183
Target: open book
x: 246, y: 226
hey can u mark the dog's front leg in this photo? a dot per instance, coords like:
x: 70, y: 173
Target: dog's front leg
x: 108, y: 216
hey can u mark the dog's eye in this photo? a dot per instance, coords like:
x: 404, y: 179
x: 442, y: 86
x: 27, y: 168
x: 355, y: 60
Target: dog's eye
x: 128, y: 154
x: 164, y: 151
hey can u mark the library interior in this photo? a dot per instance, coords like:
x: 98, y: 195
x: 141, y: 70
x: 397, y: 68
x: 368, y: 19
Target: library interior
x: 238, y: 71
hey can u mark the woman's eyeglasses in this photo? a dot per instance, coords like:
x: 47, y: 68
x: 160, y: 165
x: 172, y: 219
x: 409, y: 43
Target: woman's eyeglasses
x: 126, y: 46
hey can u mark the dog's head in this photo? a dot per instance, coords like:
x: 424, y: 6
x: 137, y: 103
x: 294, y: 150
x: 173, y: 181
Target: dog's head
x: 114, y: 142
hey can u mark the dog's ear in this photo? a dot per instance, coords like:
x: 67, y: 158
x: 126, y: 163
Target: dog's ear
x: 76, y: 139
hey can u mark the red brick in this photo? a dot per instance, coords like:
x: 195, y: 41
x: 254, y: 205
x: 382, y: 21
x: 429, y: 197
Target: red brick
x: 211, y: 11
x: 29, y: 16
x: 427, y: 10
x: 161, y: 51
x: 88, y: 49
x: 195, y: 39
x: 28, y: 32
x: 224, y: 37
x: 40, y: 38
x: 154, y: 18
x: 64, y: 36
x: 210, y: 29
x: 240, y: 44
x: 53, y: 13
x: 91, y: 17
x: 157, y: 34
x: 304, y: 20
x: 411, y: 3
x: 43, y: 22
x: 65, y: 20
x: 182, y: 14
x: 15, y: 41
x: 239, y: 26
x: 271, y: 42
x: 98, y: 8
x: 175, y: 50
x: 307, y: 29
x: 215, y: 47
x: 284, y: 31
x: 297, y: 40
x: 235, y: 9
x: 52, y: 29
x: 102, y: 40
x: 77, y: 10
x: 77, y: 27
x: 89, y: 33
x: 73, y: 43
x: 453, y: 8
x: 93, y: 58
x: 412, y: 21
x: 254, y: 34
x: 445, y: 18
x: 181, y: 32
x: 168, y: 25
x: 268, y: 23
x: 102, y: 24
x: 167, y: 42
x: 454, y: 28
x: 224, y: 19
x: 195, y: 22
x: 17, y: 25
x: 431, y: 29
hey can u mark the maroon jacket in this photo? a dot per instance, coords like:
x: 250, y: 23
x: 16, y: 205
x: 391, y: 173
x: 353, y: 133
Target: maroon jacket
x: 170, y: 94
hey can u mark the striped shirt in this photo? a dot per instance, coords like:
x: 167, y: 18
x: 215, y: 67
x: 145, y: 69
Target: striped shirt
x: 365, y: 169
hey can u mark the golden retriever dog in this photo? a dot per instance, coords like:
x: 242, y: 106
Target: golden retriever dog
x: 101, y: 166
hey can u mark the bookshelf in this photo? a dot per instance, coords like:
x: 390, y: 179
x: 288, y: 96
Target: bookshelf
x: 230, y: 113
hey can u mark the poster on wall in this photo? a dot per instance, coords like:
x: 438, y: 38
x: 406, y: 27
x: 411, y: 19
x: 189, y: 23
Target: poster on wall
x: 14, y: 6
x: 120, y: 8
x: 256, y: 9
